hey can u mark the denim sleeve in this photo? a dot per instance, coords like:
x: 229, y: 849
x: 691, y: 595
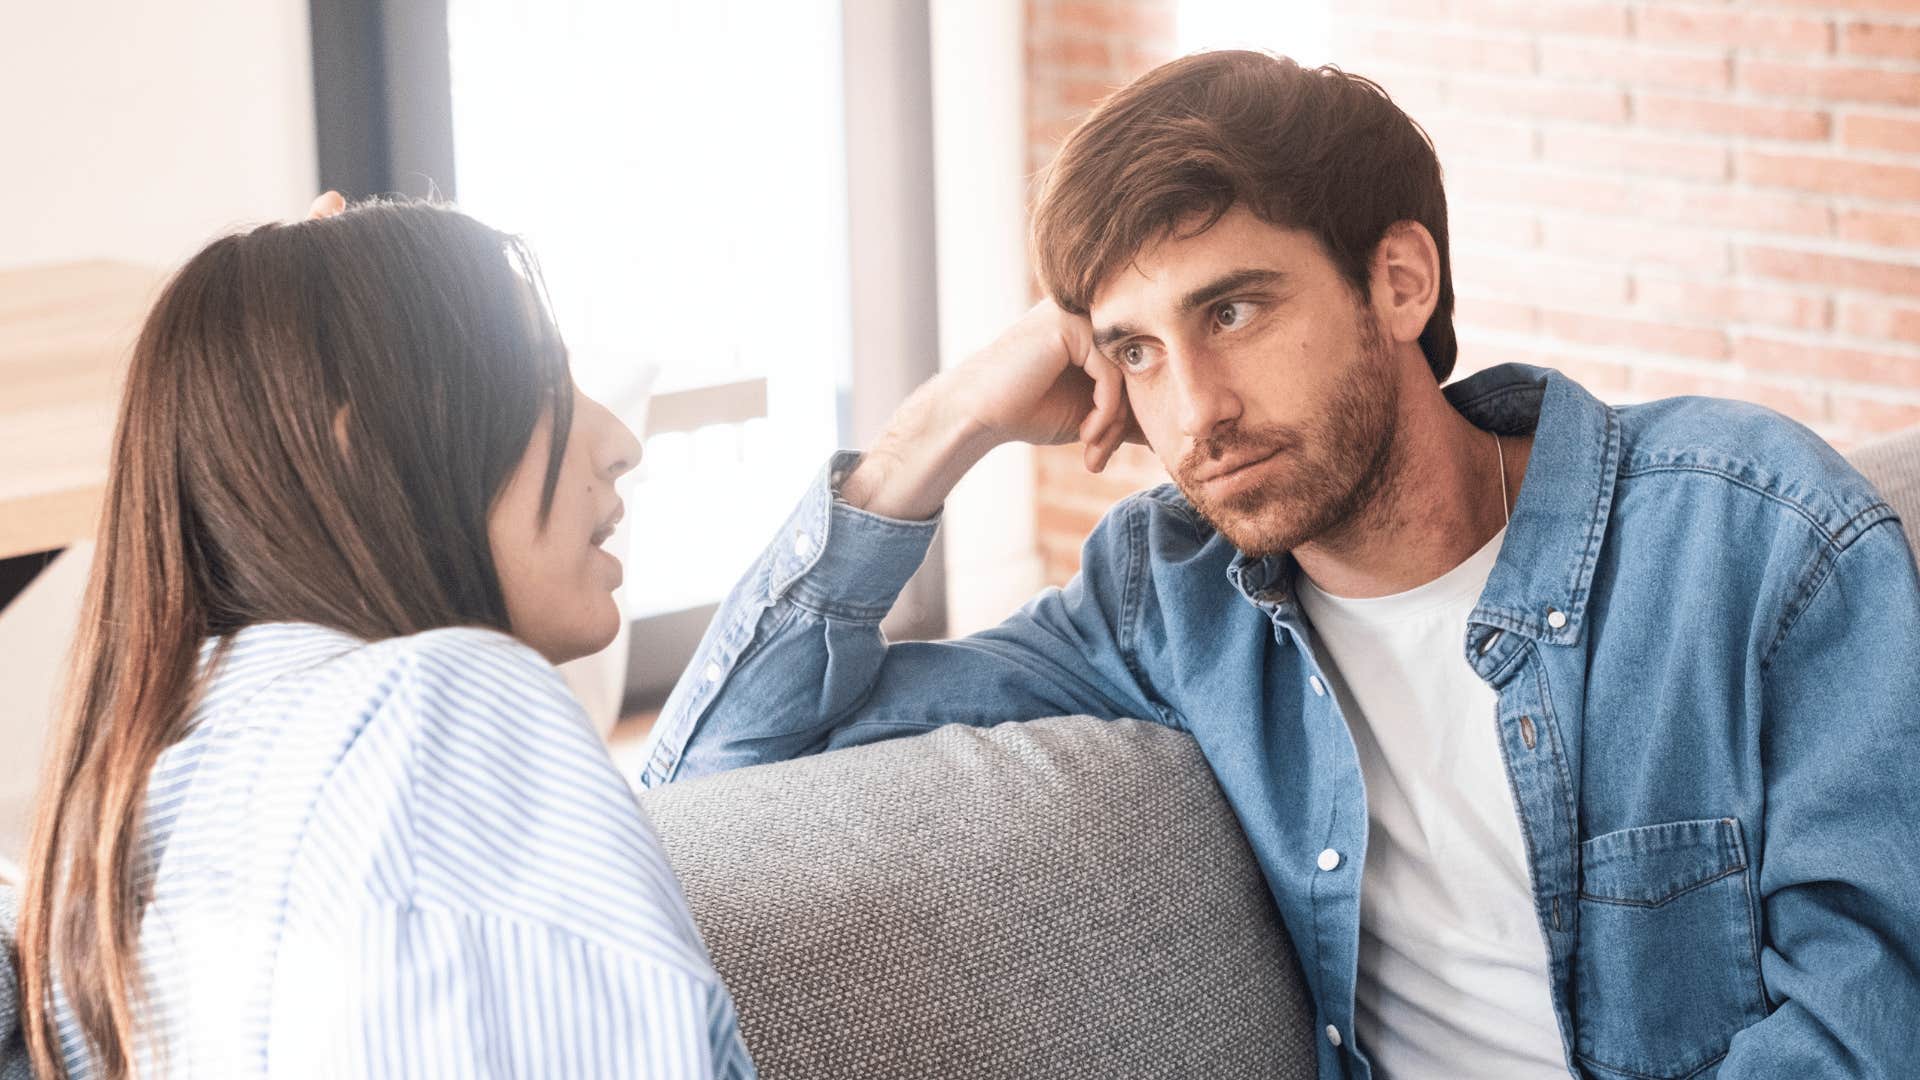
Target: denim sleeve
x: 1840, y: 868
x: 795, y: 663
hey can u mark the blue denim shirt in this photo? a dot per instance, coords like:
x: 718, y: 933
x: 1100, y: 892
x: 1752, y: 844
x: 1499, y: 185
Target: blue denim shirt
x: 1704, y: 632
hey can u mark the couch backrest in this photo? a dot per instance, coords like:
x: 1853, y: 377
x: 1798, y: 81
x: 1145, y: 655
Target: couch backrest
x: 1893, y: 464
x: 1064, y: 897
x: 13, y: 1046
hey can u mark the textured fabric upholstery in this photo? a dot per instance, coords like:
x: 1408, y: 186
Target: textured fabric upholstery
x: 1060, y: 898
x: 1893, y: 465
x: 13, y: 1043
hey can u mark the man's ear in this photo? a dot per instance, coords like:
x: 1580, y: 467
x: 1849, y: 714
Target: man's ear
x: 1405, y: 280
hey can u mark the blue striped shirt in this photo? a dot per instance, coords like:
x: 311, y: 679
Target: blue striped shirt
x: 410, y: 858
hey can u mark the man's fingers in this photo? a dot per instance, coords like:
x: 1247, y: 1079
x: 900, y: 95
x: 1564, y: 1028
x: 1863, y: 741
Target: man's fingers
x: 326, y: 205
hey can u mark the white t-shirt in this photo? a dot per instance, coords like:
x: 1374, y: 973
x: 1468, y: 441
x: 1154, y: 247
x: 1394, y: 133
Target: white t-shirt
x: 1453, y: 963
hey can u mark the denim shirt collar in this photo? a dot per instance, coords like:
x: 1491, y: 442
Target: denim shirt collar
x: 1546, y: 563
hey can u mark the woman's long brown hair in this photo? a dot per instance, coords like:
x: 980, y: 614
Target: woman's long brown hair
x: 315, y: 423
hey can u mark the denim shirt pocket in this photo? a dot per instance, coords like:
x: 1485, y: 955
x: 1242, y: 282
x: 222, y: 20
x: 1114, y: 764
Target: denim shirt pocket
x: 1667, y: 968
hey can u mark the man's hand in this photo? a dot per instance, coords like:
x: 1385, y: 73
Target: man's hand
x: 1042, y: 382
x: 327, y: 205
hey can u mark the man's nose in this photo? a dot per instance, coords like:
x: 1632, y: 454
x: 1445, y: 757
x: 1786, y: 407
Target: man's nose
x: 1204, y: 399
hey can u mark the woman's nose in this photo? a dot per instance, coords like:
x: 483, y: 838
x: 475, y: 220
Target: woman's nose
x: 617, y: 448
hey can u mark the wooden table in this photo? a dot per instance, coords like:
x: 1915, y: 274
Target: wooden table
x: 66, y: 335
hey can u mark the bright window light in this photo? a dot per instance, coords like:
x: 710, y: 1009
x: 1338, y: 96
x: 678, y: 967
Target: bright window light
x: 1296, y: 28
x: 679, y: 168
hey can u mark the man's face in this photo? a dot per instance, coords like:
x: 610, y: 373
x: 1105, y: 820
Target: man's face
x: 1260, y: 380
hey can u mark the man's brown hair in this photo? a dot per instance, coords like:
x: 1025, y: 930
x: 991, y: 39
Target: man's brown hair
x: 1308, y: 148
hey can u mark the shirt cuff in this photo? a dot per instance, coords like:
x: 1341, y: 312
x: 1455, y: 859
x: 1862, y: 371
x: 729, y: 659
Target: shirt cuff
x: 843, y: 561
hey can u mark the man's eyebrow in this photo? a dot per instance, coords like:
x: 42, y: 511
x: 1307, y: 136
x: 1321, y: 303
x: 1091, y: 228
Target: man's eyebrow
x: 1229, y: 283
x: 1106, y: 337
x: 1206, y: 294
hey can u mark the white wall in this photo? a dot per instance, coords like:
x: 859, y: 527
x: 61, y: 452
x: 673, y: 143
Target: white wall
x: 980, y: 191
x: 132, y: 130
x: 138, y: 130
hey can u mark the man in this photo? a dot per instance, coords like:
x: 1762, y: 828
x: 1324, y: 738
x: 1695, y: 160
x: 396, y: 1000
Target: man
x: 1570, y: 738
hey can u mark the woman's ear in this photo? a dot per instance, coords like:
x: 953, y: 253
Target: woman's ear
x: 1406, y: 280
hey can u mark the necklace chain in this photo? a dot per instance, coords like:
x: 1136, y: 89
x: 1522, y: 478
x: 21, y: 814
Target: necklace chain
x: 1501, y: 449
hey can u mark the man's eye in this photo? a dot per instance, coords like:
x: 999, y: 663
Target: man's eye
x: 1133, y: 355
x: 1233, y: 314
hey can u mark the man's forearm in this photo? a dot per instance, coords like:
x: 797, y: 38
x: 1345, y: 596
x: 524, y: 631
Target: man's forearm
x: 929, y: 445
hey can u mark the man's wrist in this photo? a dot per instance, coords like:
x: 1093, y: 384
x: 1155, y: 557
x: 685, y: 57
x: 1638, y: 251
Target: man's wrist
x: 925, y: 452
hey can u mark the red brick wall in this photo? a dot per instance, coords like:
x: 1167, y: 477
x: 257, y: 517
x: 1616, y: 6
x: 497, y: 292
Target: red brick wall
x: 1658, y: 199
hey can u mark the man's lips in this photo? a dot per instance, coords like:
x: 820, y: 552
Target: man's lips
x: 1227, y: 466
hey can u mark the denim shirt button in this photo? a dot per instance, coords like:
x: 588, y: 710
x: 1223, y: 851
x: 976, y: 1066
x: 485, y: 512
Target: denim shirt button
x: 1329, y: 859
x: 1556, y: 618
x: 1333, y: 1035
x: 1319, y: 688
x: 712, y: 673
x: 803, y: 545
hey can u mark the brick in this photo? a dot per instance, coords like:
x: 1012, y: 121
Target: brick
x: 1363, y: 44
x: 1873, y: 415
x: 1845, y: 365
x: 1605, y: 378
x: 1530, y: 279
x: 1471, y: 313
x: 1484, y: 225
x: 1151, y: 20
x: 1895, y: 42
x: 1530, y: 97
x: 1417, y: 92
x: 1553, y: 18
x: 1803, y: 403
x: 1720, y: 28
x: 1051, y: 133
x: 1456, y: 135
x: 1665, y: 338
x: 1063, y: 52
x: 1681, y: 158
x: 1570, y: 59
x: 1556, y: 188
x: 1715, y: 117
x: 1629, y: 242
x: 1835, y: 271
x: 1831, y: 175
x: 1894, y: 134
x: 1084, y: 93
x: 1891, y: 7
x: 1720, y: 302
x: 1065, y: 520
x: 1138, y: 57
x: 1880, y: 229
x: 1403, y: 10
x: 1731, y: 208
x: 1830, y: 82
x: 1887, y: 322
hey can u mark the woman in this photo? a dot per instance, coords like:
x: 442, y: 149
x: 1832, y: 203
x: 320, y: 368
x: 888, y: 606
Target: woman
x: 324, y: 807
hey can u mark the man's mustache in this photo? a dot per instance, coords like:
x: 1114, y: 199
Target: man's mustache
x: 1237, y: 445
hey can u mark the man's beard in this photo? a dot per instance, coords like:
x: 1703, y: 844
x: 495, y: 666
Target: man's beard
x: 1328, y: 474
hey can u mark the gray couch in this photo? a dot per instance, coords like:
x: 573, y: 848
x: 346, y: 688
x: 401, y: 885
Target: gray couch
x: 1059, y: 898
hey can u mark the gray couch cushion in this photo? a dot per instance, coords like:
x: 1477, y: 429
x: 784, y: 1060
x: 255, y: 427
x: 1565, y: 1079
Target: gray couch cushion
x: 1893, y: 465
x: 13, y: 1041
x: 1060, y: 898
